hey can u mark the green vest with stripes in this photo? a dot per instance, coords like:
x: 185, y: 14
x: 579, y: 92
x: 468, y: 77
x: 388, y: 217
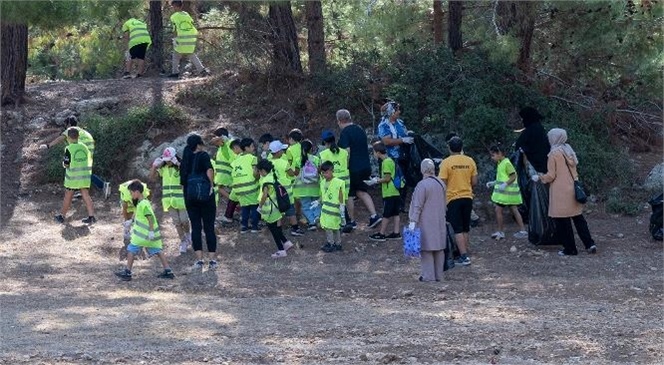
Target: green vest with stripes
x: 340, y: 162
x: 141, y: 227
x: 280, y: 168
x: 186, y: 33
x: 330, y: 215
x: 171, y: 195
x: 138, y: 32
x: 85, y: 138
x: 511, y: 195
x: 222, y: 165
x: 269, y: 211
x: 79, y: 172
x: 245, y: 186
x: 125, y: 195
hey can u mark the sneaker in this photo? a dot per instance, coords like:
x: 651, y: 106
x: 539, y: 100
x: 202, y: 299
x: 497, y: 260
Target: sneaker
x: 244, y: 230
x: 498, y: 235
x: 255, y: 230
x: 337, y: 247
x: 521, y: 235
x: 205, y: 72
x: 212, y: 264
x: 223, y: 219
x: 174, y: 76
x: 107, y: 190
x: 138, y: 75
x: 378, y: 237
x: 124, y: 274
x: 347, y: 228
x: 562, y: 253
x: 393, y: 236
x: 312, y: 227
x: 183, y: 246
x: 167, y: 274
x: 89, y: 220
x: 279, y: 254
x: 59, y: 218
x: 328, y: 247
x: 373, y: 222
x: 296, y: 232
x: 592, y: 249
x: 77, y: 194
x: 353, y: 224
x: 288, y: 245
x: 198, y: 265
x: 126, y: 75
x: 463, y: 260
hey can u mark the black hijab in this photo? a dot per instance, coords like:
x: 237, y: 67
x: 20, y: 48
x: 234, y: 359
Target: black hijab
x: 533, y: 141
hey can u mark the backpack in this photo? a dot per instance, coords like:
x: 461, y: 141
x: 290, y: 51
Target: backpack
x: 309, y: 172
x: 198, y: 185
x: 283, y: 199
x: 398, y: 177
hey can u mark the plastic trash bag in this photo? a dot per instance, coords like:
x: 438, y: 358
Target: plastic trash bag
x: 411, y: 242
x: 451, y: 250
x: 656, y: 217
x: 541, y: 227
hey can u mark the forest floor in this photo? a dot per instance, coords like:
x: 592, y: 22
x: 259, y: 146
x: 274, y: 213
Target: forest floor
x: 61, y: 304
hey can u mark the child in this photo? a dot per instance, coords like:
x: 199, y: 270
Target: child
x: 245, y: 184
x: 77, y: 162
x: 128, y: 208
x: 264, y: 142
x: 333, y: 209
x: 172, y: 197
x: 144, y: 233
x: 222, y: 170
x: 339, y: 158
x: 281, y: 171
x: 269, y: 209
x: 390, y: 193
x: 306, y: 188
x: 505, y: 192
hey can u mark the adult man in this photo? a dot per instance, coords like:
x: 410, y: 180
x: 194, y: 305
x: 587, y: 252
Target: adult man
x: 138, y: 40
x: 86, y: 139
x: 184, y: 44
x: 459, y: 173
x: 354, y: 139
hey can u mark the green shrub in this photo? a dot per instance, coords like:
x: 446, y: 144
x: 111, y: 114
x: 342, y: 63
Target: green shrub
x: 625, y: 201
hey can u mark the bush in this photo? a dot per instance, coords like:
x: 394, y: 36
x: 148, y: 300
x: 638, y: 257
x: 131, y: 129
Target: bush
x: 625, y: 201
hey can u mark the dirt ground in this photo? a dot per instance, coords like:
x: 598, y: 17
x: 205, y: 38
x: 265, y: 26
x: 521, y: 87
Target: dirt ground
x: 60, y: 302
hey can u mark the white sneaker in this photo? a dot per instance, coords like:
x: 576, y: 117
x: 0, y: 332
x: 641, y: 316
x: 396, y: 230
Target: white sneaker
x: 279, y: 254
x: 107, y: 190
x: 183, y: 246
x: 188, y: 238
x: 288, y: 245
x: 498, y: 235
x: 223, y: 219
x: 521, y: 235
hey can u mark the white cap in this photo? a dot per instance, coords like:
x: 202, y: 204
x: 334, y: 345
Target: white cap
x: 276, y: 146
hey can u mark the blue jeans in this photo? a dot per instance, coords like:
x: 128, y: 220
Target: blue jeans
x: 97, y: 181
x: 250, y: 210
x: 310, y: 214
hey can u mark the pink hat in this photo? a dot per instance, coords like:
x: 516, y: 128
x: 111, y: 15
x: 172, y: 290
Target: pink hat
x: 170, y: 154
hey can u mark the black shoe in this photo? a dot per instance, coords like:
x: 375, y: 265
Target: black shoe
x: 59, y: 218
x: 124, y: 274
x: 378, y: 237
x: 348, y: 228
x: 373, y: 222
x: 167, y: 274
x: 592, y: 249
x: 138, y: 75
x: 296, y: 232
x: 393, y: 236
x: 328, y: 247
x: 338, y: 247
x: 174, y: 76
x: 89, y: 220
x: 126, y: 75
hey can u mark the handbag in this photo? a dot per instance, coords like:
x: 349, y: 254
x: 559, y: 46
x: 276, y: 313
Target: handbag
x: 579, y: 193
x: 411, y: 242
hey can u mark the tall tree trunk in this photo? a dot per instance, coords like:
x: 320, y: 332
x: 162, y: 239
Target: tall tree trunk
x: 437, y: 22
x: 286, y: 51
x: 157, y: 34
x: 526, y: 12
x: 454, y: 33
x: 14, y: 49
x: 316, y: 36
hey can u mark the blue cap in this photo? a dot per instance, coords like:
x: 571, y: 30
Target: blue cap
x: 327, y: 134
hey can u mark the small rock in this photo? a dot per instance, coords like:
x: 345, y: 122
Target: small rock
x: 407, y: 293
x: 513, y: 249
x: 364, y: 357
x: 620, y: 235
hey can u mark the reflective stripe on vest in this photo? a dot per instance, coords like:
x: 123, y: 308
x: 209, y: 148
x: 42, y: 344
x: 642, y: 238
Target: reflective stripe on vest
x: 185, y: 40
x: 172, y: 195
x: 511, y: 195
x: 79, y: 172
x: 245, y: 186
x: 141, y: 229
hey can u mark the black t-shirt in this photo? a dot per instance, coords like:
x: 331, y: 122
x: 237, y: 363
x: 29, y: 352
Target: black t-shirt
x: 535, y: 144
x: 354, y: 137
x: 203, y: 163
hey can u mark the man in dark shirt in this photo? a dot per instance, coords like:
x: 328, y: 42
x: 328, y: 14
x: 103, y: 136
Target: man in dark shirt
x: 354, y: 139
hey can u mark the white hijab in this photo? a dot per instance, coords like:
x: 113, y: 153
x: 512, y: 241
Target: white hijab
x: 557, y: 139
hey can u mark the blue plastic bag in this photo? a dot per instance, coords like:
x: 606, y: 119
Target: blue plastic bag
x: 411, y: 242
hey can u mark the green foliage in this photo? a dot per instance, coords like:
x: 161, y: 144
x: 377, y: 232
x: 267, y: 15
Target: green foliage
x: 205, y: 95
x: 625, y: 202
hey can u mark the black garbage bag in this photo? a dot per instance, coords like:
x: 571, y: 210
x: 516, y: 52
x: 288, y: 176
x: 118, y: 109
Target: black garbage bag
x: 541, y: 227
x: 656, y: 217
x: 451, y: 249
x: 523, y: 180
x: 417, y: 152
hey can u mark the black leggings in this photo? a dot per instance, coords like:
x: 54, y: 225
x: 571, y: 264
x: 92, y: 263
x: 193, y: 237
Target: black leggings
x: 565, y: 234
x: 201, y: 216
x: 277, y: 234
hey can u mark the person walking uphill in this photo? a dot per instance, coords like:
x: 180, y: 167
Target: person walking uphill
x: 138, y: 40
x: 562, y: 173
x: 184, y: 43
x: 427, y: 211
x: 201, y: 208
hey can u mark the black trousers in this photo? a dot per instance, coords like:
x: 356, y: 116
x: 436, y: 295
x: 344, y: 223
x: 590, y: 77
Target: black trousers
x: 565, y: 234
x: 201, y: 216
x: 277, y: 234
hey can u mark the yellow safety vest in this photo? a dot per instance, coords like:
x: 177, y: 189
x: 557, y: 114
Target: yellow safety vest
x: 303, y: 190
x: 270, y: 211
x: 125, y: 195
x: 340, y: 161
x: 185, y: 40
x: 280, y: 168
x: 141, y: 227
x: 330, y: 215
x: 511, y: 195
x: 138, y: 32
x: 172, y: 195
x: 85, y: 138
x: 245, y: 186
x: 79, y: 172
x: 222, y: 165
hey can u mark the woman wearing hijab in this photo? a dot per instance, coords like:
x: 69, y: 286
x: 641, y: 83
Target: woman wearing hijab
x: 561, y: 167
x: 427, y: 211
x: 533, y: 141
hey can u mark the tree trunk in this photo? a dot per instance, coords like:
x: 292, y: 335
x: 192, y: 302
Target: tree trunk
x: 315, y: 37
x: 157, y: 34
x: 526, y: 12
x: 286, y: 52
x: 14, y: 49
x: 437, y: 22
x: 454, y: 33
